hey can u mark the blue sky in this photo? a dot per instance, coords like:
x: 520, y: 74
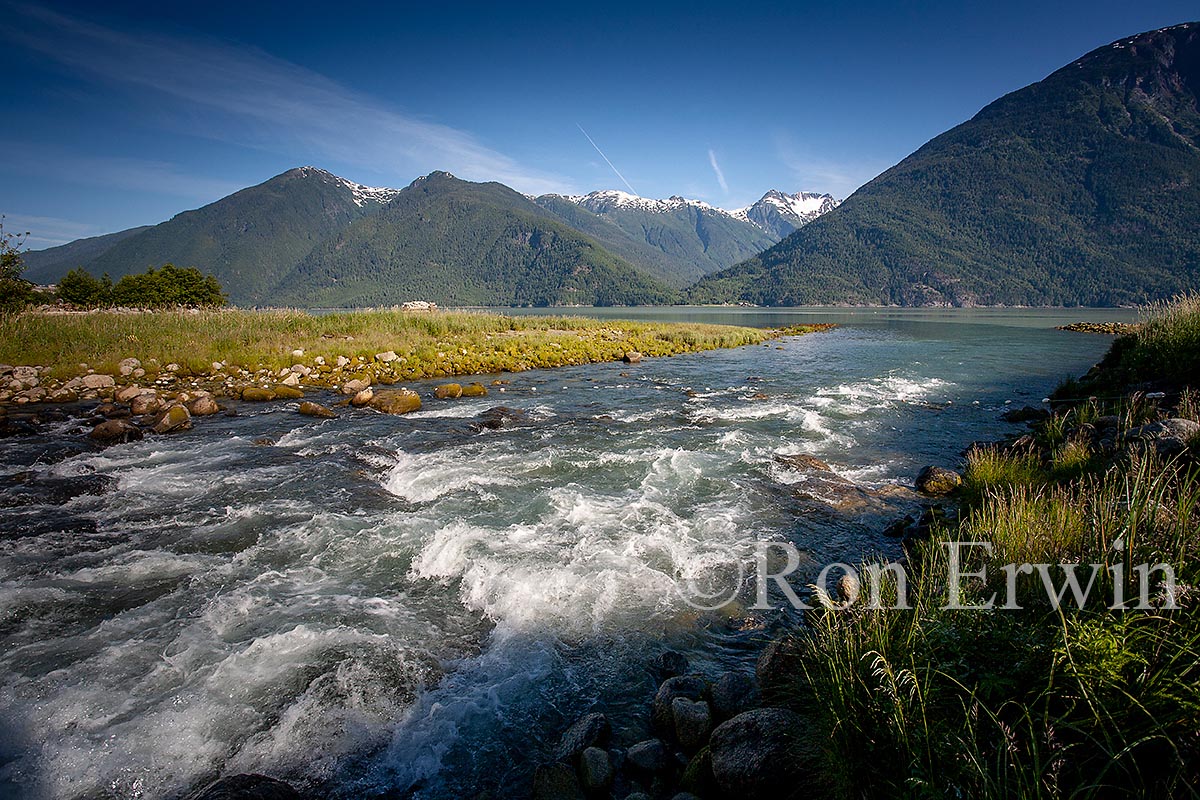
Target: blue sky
x: 125, y: 113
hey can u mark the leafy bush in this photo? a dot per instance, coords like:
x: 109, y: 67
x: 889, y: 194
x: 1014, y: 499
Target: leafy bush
x: 169, y: 286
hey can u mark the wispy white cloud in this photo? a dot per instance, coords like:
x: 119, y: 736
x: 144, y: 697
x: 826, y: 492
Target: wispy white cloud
x: 134, y: 174
x: 712, y: 159
x: 47, y: 231
x: 271, y: 102
x: 816, y: 173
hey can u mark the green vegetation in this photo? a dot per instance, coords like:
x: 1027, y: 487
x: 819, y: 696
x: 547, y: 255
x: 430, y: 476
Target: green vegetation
x: 461, y: 243
x: 1072, y: 191
x: 168, y: 287
x: 429, y: 345
x: 247, y: 240
x: 15, y: 291
x: 1163, y: 351
x: 1041, y: 701
x: 677, y: 247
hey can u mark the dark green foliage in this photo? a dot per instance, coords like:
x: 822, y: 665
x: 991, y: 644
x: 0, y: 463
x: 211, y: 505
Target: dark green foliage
x: 79, y: 288
x: 678, y: 247
x: 1081, y: 189
x: 15, y: 291
x: 167, y: 287
x: 461, y: 243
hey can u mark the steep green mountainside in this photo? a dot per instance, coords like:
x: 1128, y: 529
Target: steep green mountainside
x: 671, y: 270
x: 690, y: 237
x: 47, y: 266
x: 461, y: 243
x: 249, y: 239
x: 1083, y: 188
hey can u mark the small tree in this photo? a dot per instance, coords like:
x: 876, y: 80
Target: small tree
x: 15, y: 291
x: 79, y: 288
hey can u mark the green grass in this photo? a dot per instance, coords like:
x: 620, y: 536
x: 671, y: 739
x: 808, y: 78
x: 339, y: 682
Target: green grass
x: 431, y: 345
x: 1040, y: 701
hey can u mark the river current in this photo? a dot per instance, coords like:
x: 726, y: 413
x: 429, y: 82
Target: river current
x: 418, y: 605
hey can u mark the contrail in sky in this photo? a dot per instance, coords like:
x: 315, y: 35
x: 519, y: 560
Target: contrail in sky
x: 601, y: 152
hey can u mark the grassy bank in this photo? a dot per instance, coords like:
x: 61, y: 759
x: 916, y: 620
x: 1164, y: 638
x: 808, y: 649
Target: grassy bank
x: 427, y: 345
x: 1049, y: 700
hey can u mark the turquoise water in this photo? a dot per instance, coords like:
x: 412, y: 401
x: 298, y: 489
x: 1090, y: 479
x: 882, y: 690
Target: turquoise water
x: 420, y: 604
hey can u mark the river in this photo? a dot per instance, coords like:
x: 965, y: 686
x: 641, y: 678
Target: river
x: 418, y: 605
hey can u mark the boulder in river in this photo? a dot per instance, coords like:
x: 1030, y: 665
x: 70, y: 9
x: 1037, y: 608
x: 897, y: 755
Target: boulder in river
x: 145, y: 403
x: 116, y: 431
x: 447, y: 391
x: 363, y: 397
x: 662, y: 713
x: 778, y: 665
x: 590, y: 730
x: 396, y: 401
x: 257, y: 394
x: 1025, y: 414
x: 938, y: 481
x: 311, y: 409
x: 760, y: 754
x: 693, y: 723
x: 175, y: 418
x: 556, y: 782
x: 632, y: 357
x: 733, y: 693
x: 246, y: 787
x: 284, y: 392
x: 203, y: 406
x: 595, y: 771
x: 649, y: 757
x: 474, y: 390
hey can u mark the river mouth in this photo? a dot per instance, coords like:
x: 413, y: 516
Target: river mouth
x: 418, y: 605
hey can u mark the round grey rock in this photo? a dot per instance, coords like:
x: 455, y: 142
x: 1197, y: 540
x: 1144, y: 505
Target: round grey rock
x: 759, y: 754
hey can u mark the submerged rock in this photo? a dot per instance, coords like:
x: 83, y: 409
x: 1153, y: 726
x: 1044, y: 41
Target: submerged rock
x: 246, y: 787
x: 938, y: 481
x: 803, y: 461
x: 396, y: 401
x: 500, y: 416
x: 760, y: 754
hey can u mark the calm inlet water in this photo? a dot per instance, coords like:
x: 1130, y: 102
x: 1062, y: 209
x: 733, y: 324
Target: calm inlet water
x: 418, y: 605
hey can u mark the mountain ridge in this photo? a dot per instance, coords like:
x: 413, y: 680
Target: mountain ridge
x: 1080, y: 189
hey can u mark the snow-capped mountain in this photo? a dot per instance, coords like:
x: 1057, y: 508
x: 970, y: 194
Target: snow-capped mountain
x: 781, y: 214
x: 361, y: 194
x: 776, y: 213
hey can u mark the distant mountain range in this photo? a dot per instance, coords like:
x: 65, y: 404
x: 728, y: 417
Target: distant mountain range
x: 310, y: 238
x: 1082, y: 189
